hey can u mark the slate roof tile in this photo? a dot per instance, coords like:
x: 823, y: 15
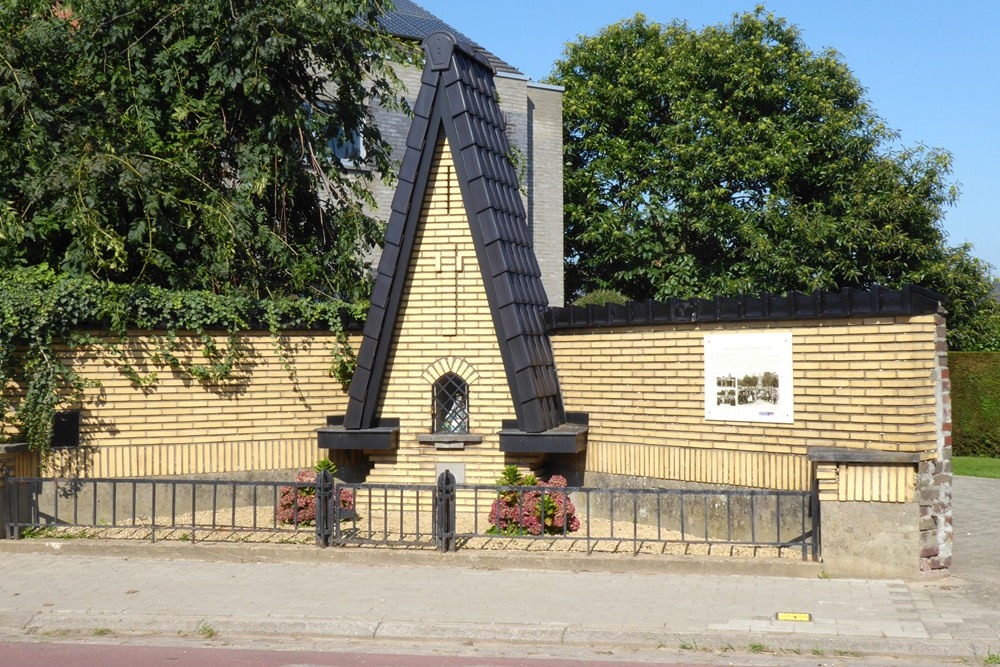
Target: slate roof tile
x: 401, y: 200
x: 424, y: 103
x: 373, y: 323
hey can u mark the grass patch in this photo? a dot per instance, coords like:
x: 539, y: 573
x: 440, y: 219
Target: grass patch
x: 976, y: 466
x: 757, y: 648
x: 57, y: 533
x: 992, y: 658
x: 206, y: 630
x: 101, y: 632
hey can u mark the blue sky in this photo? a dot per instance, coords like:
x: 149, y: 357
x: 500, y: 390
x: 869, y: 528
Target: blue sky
x: 932, y: 69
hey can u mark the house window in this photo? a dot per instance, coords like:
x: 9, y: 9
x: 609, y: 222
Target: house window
x: 347, y: 145
x: 451, y: 404
x: 66, y: 429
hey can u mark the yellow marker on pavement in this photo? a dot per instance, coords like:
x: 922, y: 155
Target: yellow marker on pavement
x: 797, y: 616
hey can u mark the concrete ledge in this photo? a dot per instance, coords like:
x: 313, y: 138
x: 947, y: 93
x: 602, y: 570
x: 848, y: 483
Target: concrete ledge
x: 337, y: 437
x: 565, y: 439
x: 449, y: 440
x: 842, y: 455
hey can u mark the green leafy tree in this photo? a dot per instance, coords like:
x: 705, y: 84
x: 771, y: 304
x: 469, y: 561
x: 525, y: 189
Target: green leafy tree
x: 974, y: 311
x: 734, y: 160
x: 192, y: 143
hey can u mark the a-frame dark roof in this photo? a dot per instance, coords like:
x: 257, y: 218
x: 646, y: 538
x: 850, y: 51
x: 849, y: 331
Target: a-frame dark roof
x: 458, y: 100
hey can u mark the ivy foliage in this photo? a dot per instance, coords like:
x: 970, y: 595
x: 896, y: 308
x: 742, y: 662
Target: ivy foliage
x: 41, y: 310
x: 192, y: 144
x: 735, y: 160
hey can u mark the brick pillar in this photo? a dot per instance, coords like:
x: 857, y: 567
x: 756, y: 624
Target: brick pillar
x: 934, y: 477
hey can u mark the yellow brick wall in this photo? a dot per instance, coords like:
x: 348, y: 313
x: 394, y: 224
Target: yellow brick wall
x: 866, y: 482
x: 21, y: 464
x: 262, y: 418
x: 883, y: 483
x: 444, y: 324
x: 859, y: 383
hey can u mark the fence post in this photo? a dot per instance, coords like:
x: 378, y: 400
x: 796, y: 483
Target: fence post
x: 324, y: 493
x: 5, y: 502
x: 817, y: 535
x: 444, y: 512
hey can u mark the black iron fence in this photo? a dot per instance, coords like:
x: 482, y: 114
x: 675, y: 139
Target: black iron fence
x: 159, y: 508
x: 444, y: 516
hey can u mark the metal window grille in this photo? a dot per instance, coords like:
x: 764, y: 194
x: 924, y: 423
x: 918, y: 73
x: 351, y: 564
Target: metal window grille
x: 451, y: 404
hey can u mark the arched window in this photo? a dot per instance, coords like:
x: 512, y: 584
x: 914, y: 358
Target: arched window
x: 451, y: 404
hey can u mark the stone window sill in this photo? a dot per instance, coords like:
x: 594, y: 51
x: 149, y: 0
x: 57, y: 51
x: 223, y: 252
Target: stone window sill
x: 449, y: 440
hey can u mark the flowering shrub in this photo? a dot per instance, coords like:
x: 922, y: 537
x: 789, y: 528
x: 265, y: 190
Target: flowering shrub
x: 531, y: 512
x: 298, y: 503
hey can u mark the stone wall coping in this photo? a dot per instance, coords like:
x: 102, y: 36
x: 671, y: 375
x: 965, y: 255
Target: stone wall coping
x: 13, y: 447
x: 842, y: 455
x: 877, y: 302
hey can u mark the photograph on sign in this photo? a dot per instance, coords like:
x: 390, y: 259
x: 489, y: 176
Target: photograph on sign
x: 748, y: 377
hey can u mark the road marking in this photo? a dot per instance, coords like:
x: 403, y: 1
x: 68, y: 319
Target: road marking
x: 797, y: 616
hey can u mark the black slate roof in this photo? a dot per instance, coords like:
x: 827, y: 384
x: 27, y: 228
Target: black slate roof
x: 458, y: 100
x: 410, y: 20
x: 878, y: 301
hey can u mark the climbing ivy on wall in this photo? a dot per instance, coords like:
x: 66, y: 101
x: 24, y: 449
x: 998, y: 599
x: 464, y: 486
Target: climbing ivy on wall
x: 41, y: 310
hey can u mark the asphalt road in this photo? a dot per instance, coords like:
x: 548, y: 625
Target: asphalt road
x: 311, y: 654
x: 107, y: 655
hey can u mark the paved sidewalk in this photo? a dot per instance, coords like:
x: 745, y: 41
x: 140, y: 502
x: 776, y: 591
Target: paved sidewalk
x: 81, y: 587
x: 443, y: 597
x: 977, y: 529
